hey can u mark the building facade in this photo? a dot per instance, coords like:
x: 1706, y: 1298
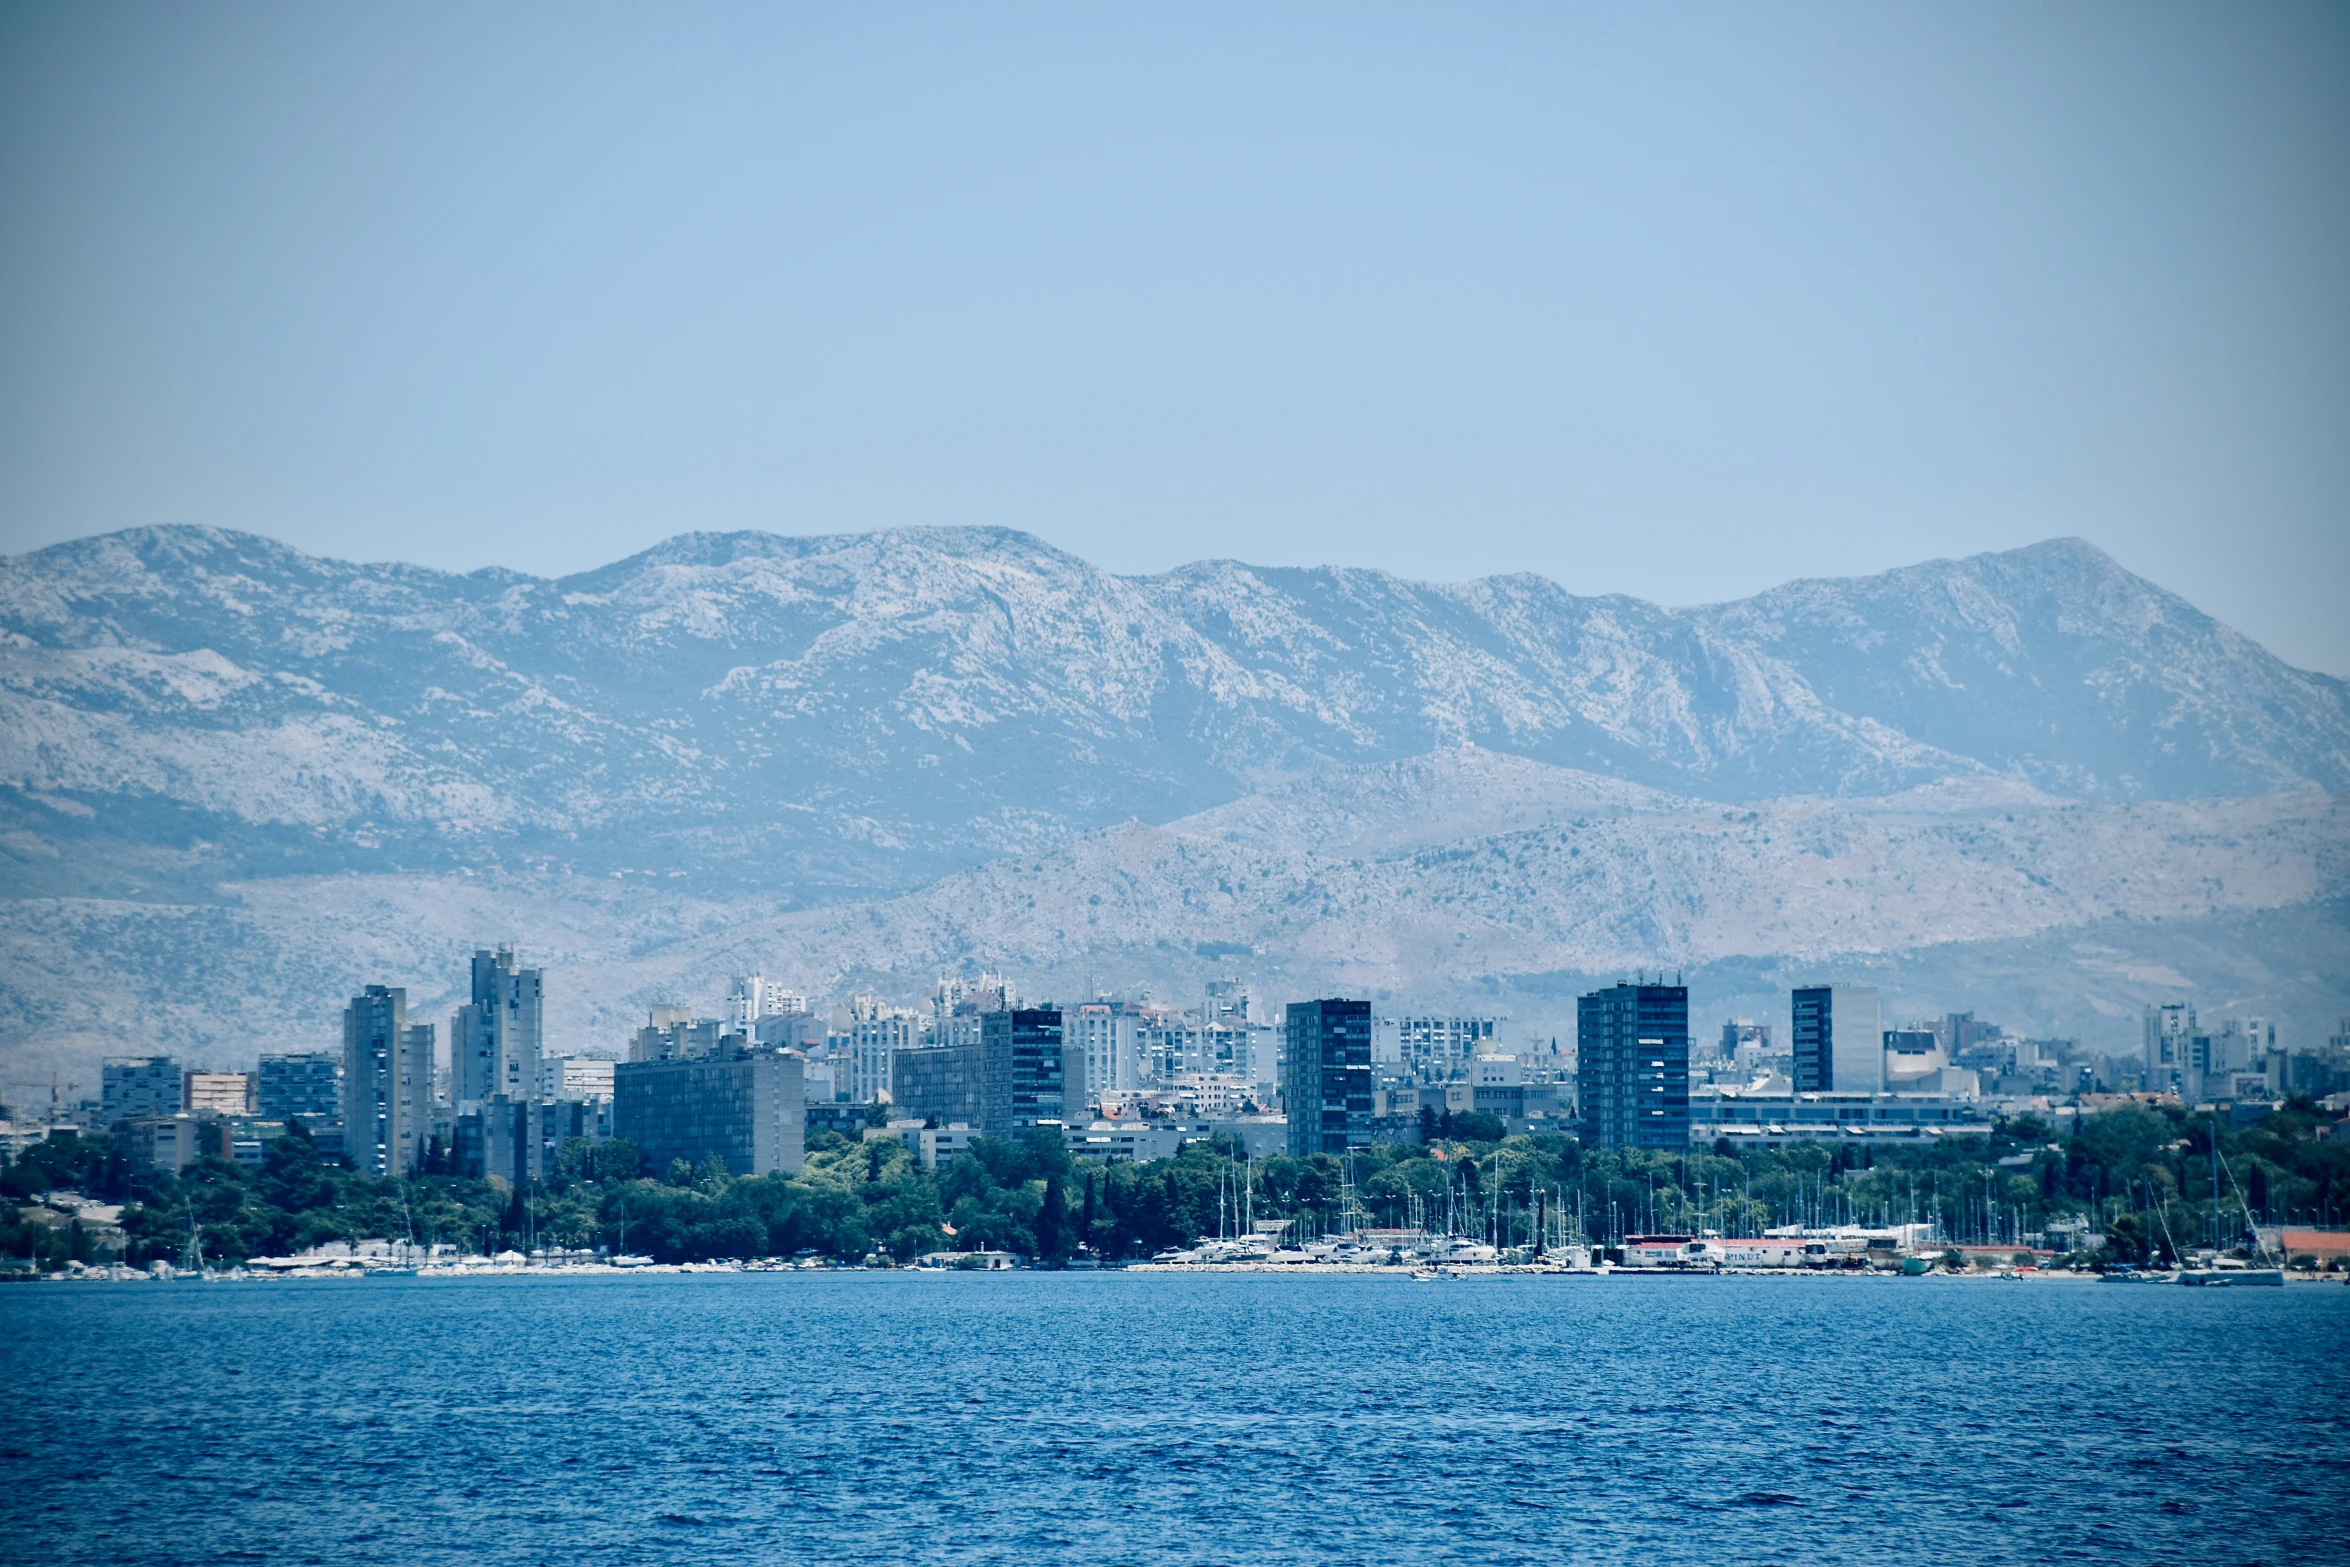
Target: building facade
x: 138, y: 1088
x: 1837, y: 1033
x: 1632, y: 1073
x: 1776, y: 1119
x: 1045, y: 1068
x: 573, y: 1078
x: 300, y: 1085
x: 951, y: 1084
x: 168, y: 1144
x: 747, y: 1108
x: 1107, y: 1033
x: 1437, y: 1047
x: 873, y: 1044
x: 216, y: 1093
x: 1326, y: 1076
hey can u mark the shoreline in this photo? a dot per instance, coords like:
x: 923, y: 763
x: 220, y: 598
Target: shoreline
x: 1452, y: 1273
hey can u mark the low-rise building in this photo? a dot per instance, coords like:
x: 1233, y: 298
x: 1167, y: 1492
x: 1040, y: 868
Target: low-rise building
x: 17, y: 1136
x: 2327, y: 1248
x: 928, y: 1144
x: 849, y: 1120
x: 1770, y: 1119
x: 249, y: 1140
x: 168, y: 1144
x: 1135, y: 1141
x: 1259, y: 1136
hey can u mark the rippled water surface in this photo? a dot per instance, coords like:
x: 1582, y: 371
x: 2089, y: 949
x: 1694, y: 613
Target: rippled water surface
x: 1148, y: 1418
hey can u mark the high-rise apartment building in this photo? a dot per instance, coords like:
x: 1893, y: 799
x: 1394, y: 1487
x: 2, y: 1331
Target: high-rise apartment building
x: 1326, y: 1076
x: 387, y: 1083
x: 951, y: 1084
x: 1000, y: 1072
x: 874, y: 1040
x: 1169, y: 1045
x: 1837, y: 1033
x: 1047, y: 1075
x: 1107, y: 1033
x: 300, y: 1085
x: 138, y: 1088
x: 496, y: 1038
x: 1632, y: 1066
x: 2170, y: 1034
x: 1440, y: 1047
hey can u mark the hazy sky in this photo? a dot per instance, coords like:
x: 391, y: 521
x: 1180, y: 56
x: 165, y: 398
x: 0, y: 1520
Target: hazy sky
x: 1666, y: 300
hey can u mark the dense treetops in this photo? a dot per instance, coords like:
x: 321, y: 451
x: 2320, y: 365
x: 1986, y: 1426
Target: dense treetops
x: 2144, y: 1176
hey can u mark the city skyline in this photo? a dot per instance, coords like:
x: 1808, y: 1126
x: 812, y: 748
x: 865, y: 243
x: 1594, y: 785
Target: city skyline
x: 1300, y: 785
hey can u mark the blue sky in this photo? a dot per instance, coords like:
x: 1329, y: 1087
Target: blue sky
x: 1676, y: 301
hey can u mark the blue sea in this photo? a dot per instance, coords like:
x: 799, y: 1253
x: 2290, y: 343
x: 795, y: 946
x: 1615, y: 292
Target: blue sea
x: 1032, y: 1417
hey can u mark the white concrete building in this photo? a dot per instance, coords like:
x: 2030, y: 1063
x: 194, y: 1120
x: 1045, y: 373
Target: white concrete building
x: 874, y: 1041
x: 575, y: 1078
x: 1109, y: 1033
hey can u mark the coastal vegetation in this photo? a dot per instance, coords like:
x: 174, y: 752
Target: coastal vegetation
x: 2142, y: 1178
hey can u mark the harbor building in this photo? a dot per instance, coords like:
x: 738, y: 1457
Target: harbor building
x: 1326, y: 1076
x: 1838, y: 1035
x: 1632, y: 1076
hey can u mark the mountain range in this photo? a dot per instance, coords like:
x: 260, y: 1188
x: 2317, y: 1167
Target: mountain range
x: 237, y: 781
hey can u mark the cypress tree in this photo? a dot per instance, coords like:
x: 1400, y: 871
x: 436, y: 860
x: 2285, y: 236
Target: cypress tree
x: 1050, y: 1218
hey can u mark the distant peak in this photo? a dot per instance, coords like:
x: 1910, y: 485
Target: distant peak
x: 725, y: 548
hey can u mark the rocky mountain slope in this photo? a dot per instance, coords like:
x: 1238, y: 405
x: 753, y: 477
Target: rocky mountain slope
x: 1466, y: 868
x: 236, y: 780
